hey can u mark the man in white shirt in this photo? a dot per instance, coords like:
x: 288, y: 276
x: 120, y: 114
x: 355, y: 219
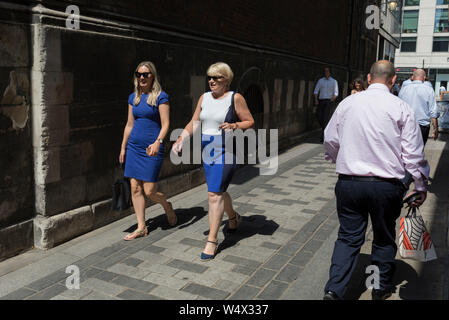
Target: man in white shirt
x: 373, y: 137
x: 326, y: 91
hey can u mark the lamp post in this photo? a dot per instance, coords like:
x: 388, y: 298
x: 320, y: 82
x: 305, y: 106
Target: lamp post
x: 392, y: 4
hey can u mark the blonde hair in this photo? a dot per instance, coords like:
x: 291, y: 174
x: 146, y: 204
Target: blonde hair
x: 221, y: 69
x: 156, y: 88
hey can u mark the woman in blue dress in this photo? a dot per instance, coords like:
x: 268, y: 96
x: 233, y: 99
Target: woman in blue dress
x: 219, y: 111
x: 142, y: 146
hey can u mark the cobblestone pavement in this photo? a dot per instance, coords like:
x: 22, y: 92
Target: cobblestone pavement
x: 282, y: 249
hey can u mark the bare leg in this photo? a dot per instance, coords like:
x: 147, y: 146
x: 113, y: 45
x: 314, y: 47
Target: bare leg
x: 158, y: 197
x: 216, y: 211
x: 229, y: 209
x: 138, y: 200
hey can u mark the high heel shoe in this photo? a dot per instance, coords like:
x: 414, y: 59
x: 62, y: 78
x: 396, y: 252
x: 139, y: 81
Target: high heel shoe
x: 238, y: 219
x: 207, y: 257
x: 173, y: 212
x: 136, y: 234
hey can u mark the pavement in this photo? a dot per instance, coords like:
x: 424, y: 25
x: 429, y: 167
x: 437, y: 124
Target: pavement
x: 281, y: 251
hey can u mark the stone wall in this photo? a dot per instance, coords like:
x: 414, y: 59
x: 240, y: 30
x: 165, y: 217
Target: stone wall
x: 80, y: 79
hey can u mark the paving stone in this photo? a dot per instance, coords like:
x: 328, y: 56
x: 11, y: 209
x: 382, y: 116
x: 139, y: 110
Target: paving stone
x: 138, y: 285
x: 88, y: 261
x: 102, y: 286
x: 289, y: 273
x: 150, y: 258
x: 95, y: 295
x: 161, y: 269
x: 261, y: 277
x: 133, y: 262
x: 302, y: 258
x: 171, y: 282
x: 76, y: 294
x: 129, y: 271
x: 204, y: 291
x: 245, y: 293
x: 48, y: 293
x: 108, y: 251
x: 40, y: 285
x: 273, y: 291
x: 187, y: 266
x: 290, y: 248
x: 242, y: 261
x: 226, y: 285
x: 321, y: 234
x: 193, y: 242
x: 309, y: 211
x: 153, y: 249
x: 111, y: 260
x: 313, y: 246
x: 20, y: 294
x: 244, y: 270
x: 285, y: 230
x: 106, y: 275
x: 172, y: 294
x: 276, y: 262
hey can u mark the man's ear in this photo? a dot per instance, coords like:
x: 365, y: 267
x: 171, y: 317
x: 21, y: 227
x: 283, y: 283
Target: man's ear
x: 393, y: 80
x: 368, y: 78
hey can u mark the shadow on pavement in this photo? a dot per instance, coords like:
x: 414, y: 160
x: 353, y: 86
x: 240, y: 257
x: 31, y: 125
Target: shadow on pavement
x: 186, y: 217
x: 405, y: 276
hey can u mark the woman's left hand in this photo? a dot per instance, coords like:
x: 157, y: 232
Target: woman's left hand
x: 227, y: 126
x: 153, y: 149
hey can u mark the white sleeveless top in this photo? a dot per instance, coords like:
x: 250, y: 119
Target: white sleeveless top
x: 213, y: 113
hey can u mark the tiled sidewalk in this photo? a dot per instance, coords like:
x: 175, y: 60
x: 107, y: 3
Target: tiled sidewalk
x: 281, y: 250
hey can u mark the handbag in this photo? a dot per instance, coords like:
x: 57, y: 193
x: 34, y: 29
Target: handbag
x: 414, y: 239
x: 121, y: 194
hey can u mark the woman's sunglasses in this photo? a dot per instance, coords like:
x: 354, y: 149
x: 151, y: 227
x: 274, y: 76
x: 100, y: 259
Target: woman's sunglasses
x: 144, y: 74
x: 215, y: 78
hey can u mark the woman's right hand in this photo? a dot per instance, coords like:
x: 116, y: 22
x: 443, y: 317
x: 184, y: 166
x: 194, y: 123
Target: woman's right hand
x: 121, y: 157
x: 177, y: 146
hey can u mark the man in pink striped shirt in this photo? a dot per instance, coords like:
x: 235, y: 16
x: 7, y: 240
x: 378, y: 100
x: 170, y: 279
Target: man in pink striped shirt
x: 373, y: 137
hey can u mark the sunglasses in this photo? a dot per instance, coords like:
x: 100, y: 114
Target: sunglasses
x: 215, y: 78
x: 144, y: 74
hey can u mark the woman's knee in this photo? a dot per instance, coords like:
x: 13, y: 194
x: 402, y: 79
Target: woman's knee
x: 215, y: 196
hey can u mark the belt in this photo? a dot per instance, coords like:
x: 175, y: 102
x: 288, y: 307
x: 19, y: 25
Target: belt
x: 368, y: 178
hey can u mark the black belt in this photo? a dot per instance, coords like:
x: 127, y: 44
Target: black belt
x: 368, y: 178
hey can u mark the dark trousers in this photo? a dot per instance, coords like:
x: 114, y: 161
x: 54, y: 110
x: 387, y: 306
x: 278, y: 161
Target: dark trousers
x: 323, y: 114
x: 408, y: 179
x: 382, y: 201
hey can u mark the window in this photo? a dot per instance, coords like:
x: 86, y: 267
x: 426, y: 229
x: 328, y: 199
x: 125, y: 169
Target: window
x: 412, y: 3
x: 441, y: 21
x: 408, y: 44
x: 442, y: 2
x: 440, y: 44
x: 410, y: 21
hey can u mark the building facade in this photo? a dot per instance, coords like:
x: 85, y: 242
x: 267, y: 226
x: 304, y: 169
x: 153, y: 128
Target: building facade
x: 425, y: 41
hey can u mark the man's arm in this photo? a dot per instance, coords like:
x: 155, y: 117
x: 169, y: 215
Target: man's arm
x: 335, y: 91
x: 331, y: 139
x: 434, y: 114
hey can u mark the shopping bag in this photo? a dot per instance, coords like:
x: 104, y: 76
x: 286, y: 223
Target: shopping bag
x: 414, y: 239
x: 121, y: 194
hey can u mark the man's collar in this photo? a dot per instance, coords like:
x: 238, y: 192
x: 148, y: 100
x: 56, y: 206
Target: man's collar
x: 380, y: 86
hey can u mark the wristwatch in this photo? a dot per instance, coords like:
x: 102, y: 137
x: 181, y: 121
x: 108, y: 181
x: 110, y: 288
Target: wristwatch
x: 160, y: 140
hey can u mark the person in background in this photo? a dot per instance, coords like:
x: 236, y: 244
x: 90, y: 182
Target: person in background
x: 325, y: 93
x: 357, y: 85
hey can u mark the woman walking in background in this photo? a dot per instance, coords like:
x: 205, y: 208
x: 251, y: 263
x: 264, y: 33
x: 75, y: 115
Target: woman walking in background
x: 357, y: 85
x: 219, y: 111
x: 142, y: 145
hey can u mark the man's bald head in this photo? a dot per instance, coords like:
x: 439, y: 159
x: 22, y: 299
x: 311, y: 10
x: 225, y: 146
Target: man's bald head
x: 419, y: 74
x: 382, y: 72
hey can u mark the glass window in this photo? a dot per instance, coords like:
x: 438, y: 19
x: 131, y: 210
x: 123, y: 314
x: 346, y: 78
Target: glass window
x: 441, y: 21
x: 440, y: 44
x: 442, y: 2
x: 412, y: 3
x: 408, y: 44
x: 410, y: 21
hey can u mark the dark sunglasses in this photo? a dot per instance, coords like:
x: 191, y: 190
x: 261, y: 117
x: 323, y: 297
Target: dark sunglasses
x: 215, y: 78
x: 144, y: 74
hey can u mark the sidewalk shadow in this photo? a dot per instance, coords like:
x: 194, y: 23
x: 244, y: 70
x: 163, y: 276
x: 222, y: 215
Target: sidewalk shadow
x: 405, y: 277
x: 186, y: 217
x: 250, y: 226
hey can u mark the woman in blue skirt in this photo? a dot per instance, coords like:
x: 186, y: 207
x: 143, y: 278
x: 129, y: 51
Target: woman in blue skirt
x: 219, y: 111
x: 142, y: 145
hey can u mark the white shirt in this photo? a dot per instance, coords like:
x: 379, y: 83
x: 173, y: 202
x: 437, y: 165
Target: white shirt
x: 214, y: 112
x: 374, y: 133
x: 442, y: 88
x: 422, y: 100
x: 326, y: 87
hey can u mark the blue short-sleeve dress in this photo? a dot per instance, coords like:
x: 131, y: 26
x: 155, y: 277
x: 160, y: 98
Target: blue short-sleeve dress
x: 147, y: 125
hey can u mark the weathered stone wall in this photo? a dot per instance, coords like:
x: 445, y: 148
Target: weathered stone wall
x: 81, y: 79
x: 16, y: 159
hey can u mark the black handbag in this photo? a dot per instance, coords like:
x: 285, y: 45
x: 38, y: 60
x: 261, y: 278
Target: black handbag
x: 121, y: 194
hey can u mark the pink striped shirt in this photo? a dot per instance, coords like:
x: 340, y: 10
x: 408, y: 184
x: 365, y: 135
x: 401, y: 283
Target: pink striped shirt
x: 374, y: 133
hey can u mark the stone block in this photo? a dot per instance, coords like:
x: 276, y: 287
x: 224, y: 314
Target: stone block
x: 103, y: 214
x: 51, y: 88
x: 51, y: 125
x: 16, y: 239
x: 47, y: 48
x: 14, y: 53
x: 51, y: 231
